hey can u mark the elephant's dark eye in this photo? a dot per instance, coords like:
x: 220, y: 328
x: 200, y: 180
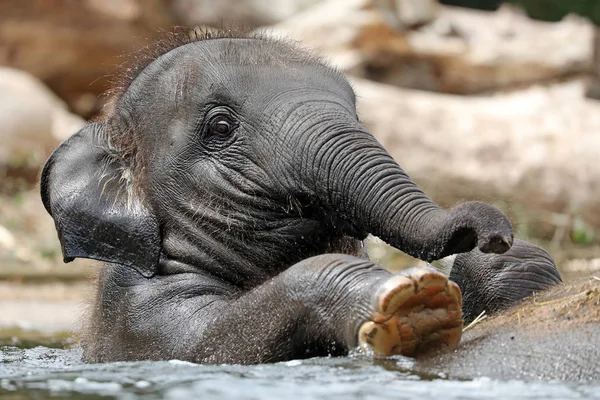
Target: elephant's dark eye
x: 221, y: 127
x: 218, y: 128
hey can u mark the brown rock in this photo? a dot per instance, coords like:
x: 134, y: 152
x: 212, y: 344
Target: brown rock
x: 73, y: 46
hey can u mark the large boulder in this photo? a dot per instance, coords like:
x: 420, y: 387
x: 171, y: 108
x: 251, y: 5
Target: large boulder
x: 452, y: 50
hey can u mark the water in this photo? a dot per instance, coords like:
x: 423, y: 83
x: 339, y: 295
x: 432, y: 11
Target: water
x: 30, y: 371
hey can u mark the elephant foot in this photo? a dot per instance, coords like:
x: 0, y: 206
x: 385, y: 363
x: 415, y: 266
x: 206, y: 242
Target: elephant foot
x: 415, y: 312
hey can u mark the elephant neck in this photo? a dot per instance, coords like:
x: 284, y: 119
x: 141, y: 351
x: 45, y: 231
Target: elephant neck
x: 246, y: 256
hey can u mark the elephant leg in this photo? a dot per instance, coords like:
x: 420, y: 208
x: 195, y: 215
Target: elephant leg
x: 492, y: 282
x: 325, y: 305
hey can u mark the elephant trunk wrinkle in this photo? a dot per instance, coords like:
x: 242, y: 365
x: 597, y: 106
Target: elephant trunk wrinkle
x: 366, y: 188
x: 362, y: 184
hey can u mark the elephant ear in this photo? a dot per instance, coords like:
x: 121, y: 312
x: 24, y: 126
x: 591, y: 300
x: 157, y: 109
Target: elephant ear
x: 86, y: 191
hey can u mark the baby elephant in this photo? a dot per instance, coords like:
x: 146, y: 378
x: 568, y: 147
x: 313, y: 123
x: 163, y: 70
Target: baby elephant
x: 228, y: 193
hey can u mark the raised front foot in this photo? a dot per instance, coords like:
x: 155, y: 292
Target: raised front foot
x: 415, y: 312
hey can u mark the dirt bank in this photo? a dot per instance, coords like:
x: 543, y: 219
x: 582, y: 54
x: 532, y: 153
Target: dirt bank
x: 553, y: 335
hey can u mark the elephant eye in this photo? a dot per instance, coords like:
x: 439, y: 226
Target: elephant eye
x: 221, y: 127
x: 218, y: 128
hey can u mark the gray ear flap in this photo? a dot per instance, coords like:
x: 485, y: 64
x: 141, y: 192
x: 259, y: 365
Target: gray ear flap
x: 95, y: 213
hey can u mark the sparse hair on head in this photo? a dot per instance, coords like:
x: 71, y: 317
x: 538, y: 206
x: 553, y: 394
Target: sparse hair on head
x: 178, y: 36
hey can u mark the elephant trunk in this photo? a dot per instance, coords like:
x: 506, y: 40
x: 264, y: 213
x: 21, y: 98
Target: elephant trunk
x: 362, y: 184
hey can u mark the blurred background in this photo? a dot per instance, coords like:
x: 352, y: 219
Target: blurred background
x: 476, y: 99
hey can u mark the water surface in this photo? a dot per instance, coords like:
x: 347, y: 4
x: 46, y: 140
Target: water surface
x: 28, y: 371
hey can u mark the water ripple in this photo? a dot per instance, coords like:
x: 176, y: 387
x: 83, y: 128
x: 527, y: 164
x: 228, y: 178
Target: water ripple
x: 41, y: 372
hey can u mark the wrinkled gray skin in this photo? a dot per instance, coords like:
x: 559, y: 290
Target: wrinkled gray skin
x: 493, y: 282
x: 222, y: 191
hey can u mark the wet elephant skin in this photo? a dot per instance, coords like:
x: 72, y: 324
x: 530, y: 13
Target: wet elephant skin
x: 228, y: 192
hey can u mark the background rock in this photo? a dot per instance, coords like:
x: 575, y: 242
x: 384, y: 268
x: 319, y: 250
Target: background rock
x: 73, y: 46
x: 248, y: 13
x: 459, y: 51
x: 33, y: 121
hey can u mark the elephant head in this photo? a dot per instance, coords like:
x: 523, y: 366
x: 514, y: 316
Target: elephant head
x: 239, y: 156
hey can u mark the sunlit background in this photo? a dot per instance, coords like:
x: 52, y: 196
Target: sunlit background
x: 482, y: 104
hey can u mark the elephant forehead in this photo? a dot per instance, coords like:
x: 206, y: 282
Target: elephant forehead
x: 268, y: 88
x: 237, y: 69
